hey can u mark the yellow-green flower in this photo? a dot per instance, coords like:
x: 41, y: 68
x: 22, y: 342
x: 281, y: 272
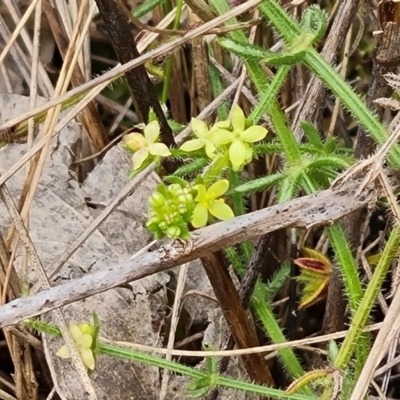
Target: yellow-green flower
x: 208, y: 202
x: 240, y: 152
x: 204, y: 137
x: 146, y: 145
x: 83, y: 339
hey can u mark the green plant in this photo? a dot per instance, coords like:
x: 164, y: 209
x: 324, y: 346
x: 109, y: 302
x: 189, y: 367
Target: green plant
x: 88, y: 342
x: 209, y: 186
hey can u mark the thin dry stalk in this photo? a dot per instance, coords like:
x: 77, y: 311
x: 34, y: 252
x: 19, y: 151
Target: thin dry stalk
x: 238, y: 352
x: 44, y: 83
x: 176, y: 309
x: 117, y: 71
x: 90, y: 117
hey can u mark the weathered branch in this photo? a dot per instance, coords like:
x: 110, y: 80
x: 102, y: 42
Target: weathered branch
x: 318, y: 209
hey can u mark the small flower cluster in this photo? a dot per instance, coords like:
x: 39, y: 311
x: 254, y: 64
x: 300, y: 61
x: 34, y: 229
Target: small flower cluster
x: 82, y: 336
x: 231, y: 135
x: 173, y: 207
x: 170, y: 209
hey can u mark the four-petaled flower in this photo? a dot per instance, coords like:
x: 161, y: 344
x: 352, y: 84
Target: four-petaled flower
x: 208, y: 202
x: 240, y: 152
x: 83, y: 339
x: 204, y: 136
x: 145, y: 145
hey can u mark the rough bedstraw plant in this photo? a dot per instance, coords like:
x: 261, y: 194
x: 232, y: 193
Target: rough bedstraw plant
x: 299, y: 39
x: 229, y: 145
x: 91, y: 346
x: 209, y: 187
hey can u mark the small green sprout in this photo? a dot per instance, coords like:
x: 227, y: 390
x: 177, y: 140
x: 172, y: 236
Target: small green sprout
x: 144, y: 146
x: 208, y: 201
x: 82, y: 335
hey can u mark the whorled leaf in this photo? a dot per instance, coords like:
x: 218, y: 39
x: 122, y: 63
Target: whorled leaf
x: 314, y: 20
x: 256, y: 185
x: 312, y: 134
x: 245, y: 50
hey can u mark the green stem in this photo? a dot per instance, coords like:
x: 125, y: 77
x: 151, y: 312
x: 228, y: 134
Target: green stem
x: 269, y: 95
x: 267, y: 318
x: 364, y: 308
x: 148, y: 359
x: 237, y: 198
x: 194, y: 373
x: 290, y: 30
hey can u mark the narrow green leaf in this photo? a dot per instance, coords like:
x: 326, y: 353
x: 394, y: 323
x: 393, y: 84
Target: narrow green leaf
x: 314, y: 20
x: 288, y: 28
x: 192, y: 166
x: 292, y: 178
x: 328, y: 161
x: 347, y: 264
x: 269, y: 94
x: 142, y: 9
x: 278, y: 279
x: 176, y: 179
x: 312, y: 134
x: 330, y: 146
x: 259, y: 184
x: 245, y: 50
x: 234, y: 259
x: 266, y: 148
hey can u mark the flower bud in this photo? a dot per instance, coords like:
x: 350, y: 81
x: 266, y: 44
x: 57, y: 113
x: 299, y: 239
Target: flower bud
x: 156, y: 200
x: 173, y: 232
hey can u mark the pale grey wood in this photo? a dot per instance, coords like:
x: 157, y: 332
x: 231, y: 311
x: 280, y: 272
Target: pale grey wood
x: 321, y: 208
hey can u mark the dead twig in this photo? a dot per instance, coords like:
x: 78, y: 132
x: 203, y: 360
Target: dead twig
x: 303, y: 212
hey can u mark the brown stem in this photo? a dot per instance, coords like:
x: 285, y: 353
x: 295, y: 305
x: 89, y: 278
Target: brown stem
x: 236, y: 317
x: 138, y: 80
